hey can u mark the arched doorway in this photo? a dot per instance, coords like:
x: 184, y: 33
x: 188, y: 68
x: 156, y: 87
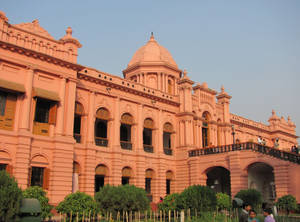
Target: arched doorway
x: 169, y: 182
x: 218, y: 178
x: 101, y: 173
x: 126, y: 175
x: 261, y: 178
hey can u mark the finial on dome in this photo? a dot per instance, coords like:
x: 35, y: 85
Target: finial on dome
x: 184, y: 73
x: 152, y: 36
x: 222, y: 89
x: 35, y: 22
x: 273, y: 112
x: 69, y: 31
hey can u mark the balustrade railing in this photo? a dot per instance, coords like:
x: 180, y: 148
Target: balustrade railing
x: 126, y: 145
x: 280, y: 154
x: 168, y: 151
x: 148, y: 148
x: 101, y: 141
x: 77, y: 137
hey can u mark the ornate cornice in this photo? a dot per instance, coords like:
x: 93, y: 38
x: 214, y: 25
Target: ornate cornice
x: 41, y: 56
x: 126, y: 89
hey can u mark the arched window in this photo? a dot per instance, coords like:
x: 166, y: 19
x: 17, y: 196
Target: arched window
x: 169, y: 182
x: 126, y: 175
x: 170, y: 86
x: 39, y: 172
x: 101, y: 174
x: 125, y: 131
x: 148, y: 182
x: 102, y: 117
x: 205, y: 129
x: 147, y: 135
x: 77, y: 122
x: 167, y: 142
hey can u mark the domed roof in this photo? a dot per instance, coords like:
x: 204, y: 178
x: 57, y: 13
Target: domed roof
x: 152, y: 52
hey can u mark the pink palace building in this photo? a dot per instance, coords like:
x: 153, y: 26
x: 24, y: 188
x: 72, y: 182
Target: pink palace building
x: 68, y: 127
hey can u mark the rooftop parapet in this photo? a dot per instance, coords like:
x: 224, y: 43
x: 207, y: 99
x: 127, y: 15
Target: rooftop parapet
x: 34, y: 37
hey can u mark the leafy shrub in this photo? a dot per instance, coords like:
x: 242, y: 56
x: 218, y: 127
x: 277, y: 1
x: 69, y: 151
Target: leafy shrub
x: 122, y: 198
x: 287, y: 203
x: 78, y: 202
x: 10, y: 197
x: 250, y: 196
x: 223, y: 201
x: 171, y: 202
x: 201, y: 198
x: 40, y: 194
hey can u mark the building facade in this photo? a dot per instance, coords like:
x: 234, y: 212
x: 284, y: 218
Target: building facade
x: 68, y: 127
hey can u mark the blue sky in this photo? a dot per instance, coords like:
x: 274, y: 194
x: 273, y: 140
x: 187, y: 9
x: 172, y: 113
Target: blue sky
x: 251, y: 47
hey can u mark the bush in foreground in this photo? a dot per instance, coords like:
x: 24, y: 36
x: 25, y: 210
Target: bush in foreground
x: 40, y: 194
x: 200, y: 198
x: 223, y: 201
x: 250, y: 196
x: 171, y: 202
x: 78, y: 202
x: 287, y: 203
x: 121, y: 198
x: 10, y: 197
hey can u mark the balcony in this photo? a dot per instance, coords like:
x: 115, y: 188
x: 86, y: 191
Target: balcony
x: 77, y: 137
x: 126, y: 145
x: 101, y: 141
x: 148, y: 148
x: 273, y: 152
x: 168, y: 151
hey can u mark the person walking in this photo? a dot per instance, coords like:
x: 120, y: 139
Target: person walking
x: 245, y: 213
x: 252, y: 216
x: 267, y: 214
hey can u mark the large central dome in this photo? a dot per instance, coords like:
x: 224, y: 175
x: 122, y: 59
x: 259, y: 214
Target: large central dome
x: 152, y: 52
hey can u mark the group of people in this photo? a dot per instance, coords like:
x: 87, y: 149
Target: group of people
x: 249, y: 215
x: 295, y: 149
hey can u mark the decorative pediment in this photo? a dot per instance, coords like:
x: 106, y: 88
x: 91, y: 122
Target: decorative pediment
x: 34, y: 27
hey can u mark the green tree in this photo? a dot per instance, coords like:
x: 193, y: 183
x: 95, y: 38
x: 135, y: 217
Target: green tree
x: 223, y: 201
x: 288, y: 203
x: 78, y: 202
x: 10, y: 197
x: 40, y: 194
x: 201, y: 198
x: 250, y: 196
x: 121, y: 198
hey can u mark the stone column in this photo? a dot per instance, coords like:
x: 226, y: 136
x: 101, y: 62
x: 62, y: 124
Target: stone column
x: 26, y: 104
x: 60, y: 108
x: 70, y: 107
x: 91, y: 119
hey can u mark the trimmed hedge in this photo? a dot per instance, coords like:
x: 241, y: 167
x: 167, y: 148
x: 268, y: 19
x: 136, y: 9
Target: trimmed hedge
x: 171, y: 202
x: 78, y: 202
x: 251, y: 196
x: 201, y: 198
x: 287, y: 203
x: 223, y: 201
x: 121, y: 198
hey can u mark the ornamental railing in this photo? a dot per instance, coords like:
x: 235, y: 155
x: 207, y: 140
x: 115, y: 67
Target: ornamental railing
x: 279, y: 154
x: 168, y: 151
x: 126, y: 145
x: 148, y: 148
x: 101, y: 141
x: 77, y: 137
